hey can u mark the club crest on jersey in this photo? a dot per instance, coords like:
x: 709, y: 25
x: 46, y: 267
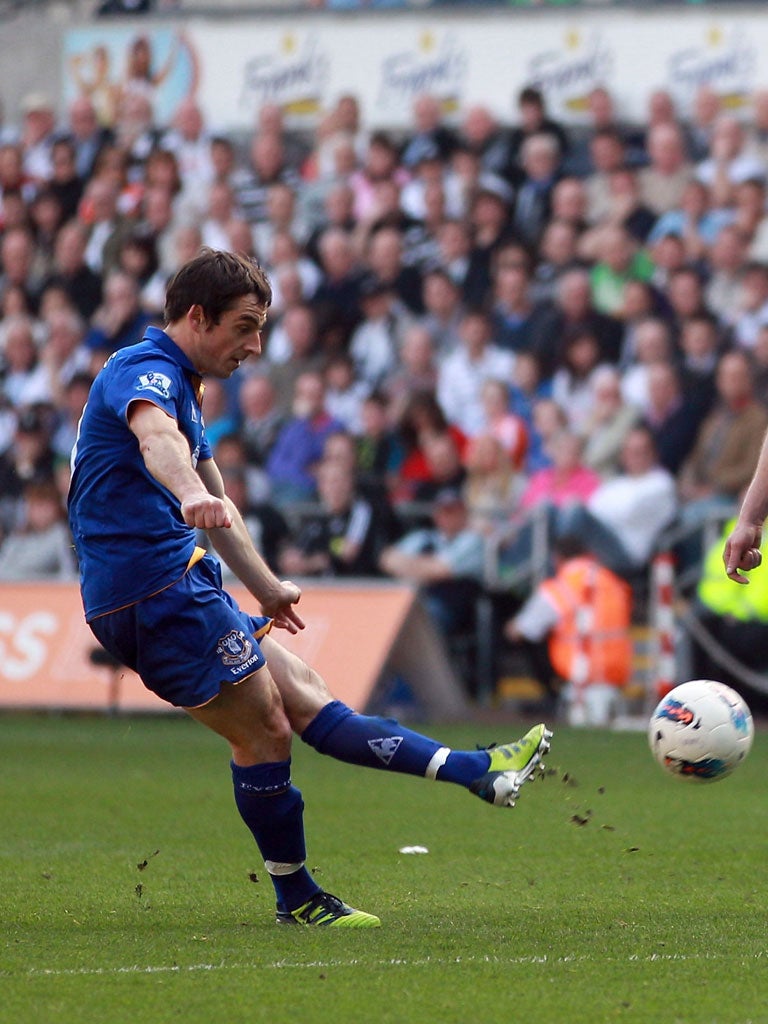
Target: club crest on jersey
x: 154, y: 381
x: 234, y: 648
x: 385, y: 748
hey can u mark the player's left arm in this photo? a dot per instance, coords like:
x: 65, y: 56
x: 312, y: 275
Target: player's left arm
x: 234, y: 545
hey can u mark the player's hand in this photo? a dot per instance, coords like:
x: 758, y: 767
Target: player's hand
x: 206, y: 512
x: 280, y: 607
x: 742, y: 551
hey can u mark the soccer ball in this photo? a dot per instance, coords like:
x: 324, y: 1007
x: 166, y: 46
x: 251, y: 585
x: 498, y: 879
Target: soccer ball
x: 701, y: 730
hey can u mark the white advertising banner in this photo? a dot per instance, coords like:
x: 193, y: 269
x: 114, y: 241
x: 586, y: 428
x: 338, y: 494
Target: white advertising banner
x: 304, y: 64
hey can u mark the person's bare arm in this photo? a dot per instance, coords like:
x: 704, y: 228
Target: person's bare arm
x: 416, y: 568
x: 166, y: 455
x: 205, y: 506
x: 234, y: 545
x: 742, y: 548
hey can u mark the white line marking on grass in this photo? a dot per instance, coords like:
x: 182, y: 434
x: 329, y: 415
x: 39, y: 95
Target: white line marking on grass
x: 428, y: 961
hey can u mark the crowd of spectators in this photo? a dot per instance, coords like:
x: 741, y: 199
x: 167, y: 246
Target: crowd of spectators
x: 471, y: 318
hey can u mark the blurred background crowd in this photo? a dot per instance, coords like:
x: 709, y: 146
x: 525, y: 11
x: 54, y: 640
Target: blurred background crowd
x: 482, y: 333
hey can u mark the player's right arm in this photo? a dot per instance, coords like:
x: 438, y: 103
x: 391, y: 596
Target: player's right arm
x: 166, y: 455
x: 742, y: 548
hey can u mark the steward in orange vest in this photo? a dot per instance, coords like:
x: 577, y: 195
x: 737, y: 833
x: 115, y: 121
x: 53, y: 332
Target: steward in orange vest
x: 590, y: 642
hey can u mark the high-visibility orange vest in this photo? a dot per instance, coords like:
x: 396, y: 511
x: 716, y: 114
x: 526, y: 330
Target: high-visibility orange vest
x: 591, y: 641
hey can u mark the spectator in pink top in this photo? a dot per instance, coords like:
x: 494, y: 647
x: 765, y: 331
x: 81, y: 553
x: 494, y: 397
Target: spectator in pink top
x: 567, y: 480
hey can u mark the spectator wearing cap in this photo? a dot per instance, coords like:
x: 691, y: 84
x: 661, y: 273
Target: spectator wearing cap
x: 445, y: 560
x: 37, y: 134
x: 489, y: 220
x: 374, y: 341
x: 30, y: 459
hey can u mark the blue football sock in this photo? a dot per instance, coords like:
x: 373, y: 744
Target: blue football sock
x: 382, y: 743
x: 273, y: 810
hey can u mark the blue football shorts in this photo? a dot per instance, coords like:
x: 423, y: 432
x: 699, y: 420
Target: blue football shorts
x: 186, y: 640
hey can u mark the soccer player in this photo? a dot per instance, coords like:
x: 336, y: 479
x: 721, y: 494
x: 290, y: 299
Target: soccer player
x: 143, y: 481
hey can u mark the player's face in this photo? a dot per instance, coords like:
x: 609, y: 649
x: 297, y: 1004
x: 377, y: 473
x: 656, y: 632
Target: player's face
x: 237, y: 335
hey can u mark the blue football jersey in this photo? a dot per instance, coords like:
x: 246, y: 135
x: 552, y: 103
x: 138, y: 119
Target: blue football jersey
x: 130, y: 538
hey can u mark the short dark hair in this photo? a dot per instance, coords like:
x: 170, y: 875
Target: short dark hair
x: 215, y: 280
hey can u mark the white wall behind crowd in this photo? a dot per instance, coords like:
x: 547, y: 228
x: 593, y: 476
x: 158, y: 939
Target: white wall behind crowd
x: 386, y: 58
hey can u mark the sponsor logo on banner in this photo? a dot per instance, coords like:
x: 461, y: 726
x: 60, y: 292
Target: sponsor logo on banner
x: 436, y: 65
x: 154, y: 381
x: 294, y: 77
x: 726, y: 62
x: 566, y: 73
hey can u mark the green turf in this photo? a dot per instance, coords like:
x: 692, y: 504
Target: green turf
x: 611, y: 893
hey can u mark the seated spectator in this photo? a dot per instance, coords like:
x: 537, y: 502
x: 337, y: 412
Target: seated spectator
x: 492, y: 486
x: 623, y: 518
x: 726, y: 259
x: 751, y: 312
x: 540, y: 158
x: 415, y: 372
x: 548, y: 419
x: 69, y: 408
x: 344, y: 393
x: 299, y: 444
x: 25, y: 378
x: 40, y: 548
x: 730, y: 162
x: 70, y: 271
x: 573, y: 382
x: 618, y: 261
x: 379, y: 451
x: 663, y: 181
x: 446, y: 562
x: 607, y: 423
x: 260, y: 418
x: 462, y: 374
x: 374, y: 341
x: 512, y: 308
x: 30, y: 459
x: 651, y: 343
x: 422, y: 419
x: 700, y: 349
x: 558, y: 253
x: 567, y: 481
x: 507, y: 427
x: 571, y: 311
x: 693, y: 221
x: 219, y: 421
x: 297, y: 332
x: 582, y: 594
x: 444, y: 466
x: 345, y: 538
x: 672, y: 415
x: 443, y: 310
x: 118, y: 322
x: 726, y: 450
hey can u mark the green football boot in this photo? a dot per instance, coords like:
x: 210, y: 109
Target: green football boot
x: 511, y: 765
x: 327, y: 911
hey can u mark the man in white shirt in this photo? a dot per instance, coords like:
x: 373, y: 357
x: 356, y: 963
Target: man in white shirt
x: 623, y: 519
x: 462, y: 374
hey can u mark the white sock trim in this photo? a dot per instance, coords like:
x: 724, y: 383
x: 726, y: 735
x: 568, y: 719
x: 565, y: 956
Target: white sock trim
x: 438, y: 760
x: 275, y: 867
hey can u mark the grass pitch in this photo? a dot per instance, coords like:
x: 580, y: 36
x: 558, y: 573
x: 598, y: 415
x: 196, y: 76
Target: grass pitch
x: 132, y: 892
